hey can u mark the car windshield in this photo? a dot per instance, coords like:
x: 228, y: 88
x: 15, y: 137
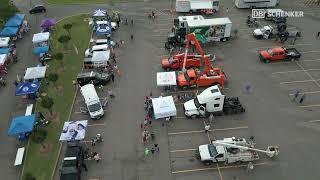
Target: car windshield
x: 196, y: 102
x: 94, y: 107
x: 270, y: 51
x: 212, y: 150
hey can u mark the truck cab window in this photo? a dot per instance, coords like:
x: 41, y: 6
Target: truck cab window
x: 196, y: 102
x: 219, y: 156
x: 217, y: 99
x: 216, y: 105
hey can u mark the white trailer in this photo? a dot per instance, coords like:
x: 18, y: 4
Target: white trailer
x: 243, y: 4
x: 203, y: 6
x: 232, y: 150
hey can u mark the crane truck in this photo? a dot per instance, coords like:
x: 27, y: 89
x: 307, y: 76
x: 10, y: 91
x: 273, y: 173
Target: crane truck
x: 232, y: 150
x: 207, y: 77
x: 212, y: 101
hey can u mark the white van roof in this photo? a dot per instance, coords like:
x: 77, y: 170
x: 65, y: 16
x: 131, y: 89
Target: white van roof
x: 89, y: 93
x: 209, y: 22
x: 99, y: 47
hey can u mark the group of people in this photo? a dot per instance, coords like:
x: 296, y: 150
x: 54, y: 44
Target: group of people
x: 148, y: 107
x: 91, y: 156
x: 297, y: 94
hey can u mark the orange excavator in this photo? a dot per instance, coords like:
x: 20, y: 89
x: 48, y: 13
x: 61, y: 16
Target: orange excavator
x: 207, y: 77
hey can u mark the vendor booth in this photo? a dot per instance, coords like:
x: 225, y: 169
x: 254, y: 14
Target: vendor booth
x: 74, y: 130
x: 29, y: 89
x: 15, y: 21
x: 5, y: 51
x: 99, y: 59
x: 41, y: 39
x: 21, y: 126
x: 4, y: 61
x: 35, y: 73
x: 164, y: 107
x: 48, y: 24
x: 40, y: 50
x: 100, y: 15
x: 168, y: 80
x: 10, y: 32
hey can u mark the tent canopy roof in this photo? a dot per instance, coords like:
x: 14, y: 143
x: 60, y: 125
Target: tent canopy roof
x: 35, y: 72
x: 9, y: 31
x: 166, y: 78
x: 164, y: 107
x: 21, y: 124
x: 25, y: 88
x: 40, y: 37
x: 4, y: 41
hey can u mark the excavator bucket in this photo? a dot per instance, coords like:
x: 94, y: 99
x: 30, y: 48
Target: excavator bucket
x: 201, y: 38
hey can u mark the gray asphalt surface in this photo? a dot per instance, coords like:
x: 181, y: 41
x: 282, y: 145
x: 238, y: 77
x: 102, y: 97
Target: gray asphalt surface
x: 271, y: 115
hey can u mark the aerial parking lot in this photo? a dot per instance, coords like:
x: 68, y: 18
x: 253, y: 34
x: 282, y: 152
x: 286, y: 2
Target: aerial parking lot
x: 258, y: 80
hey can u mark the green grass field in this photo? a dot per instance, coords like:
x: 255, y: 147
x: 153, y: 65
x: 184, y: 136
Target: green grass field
x: 41, y: 163
x: 6, y: 11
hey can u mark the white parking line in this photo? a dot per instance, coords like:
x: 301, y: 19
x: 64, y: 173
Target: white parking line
x: 90, y: 125
x: 222, y: 167
x: 312, y: 105
x: 303, y: 81
x: 312, y: 121
x: 308, y: 74
x: 201, y: 131
x: 283, y: 72
x: 311, y: 92
x: 311, y: 60
x: 306, y: 52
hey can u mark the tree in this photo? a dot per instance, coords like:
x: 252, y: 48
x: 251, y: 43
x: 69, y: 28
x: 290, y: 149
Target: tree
x: 53, y: 77
x: 29, y: 176
x: 67, y: 27
x: 38, y: 136
x: 64, y: 39
x: 47, y: 103
x: 59, y: 56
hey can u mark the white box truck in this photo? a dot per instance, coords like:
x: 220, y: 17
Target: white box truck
x: 92, y: 101
x: 244, y: 4
x: 202, y: 6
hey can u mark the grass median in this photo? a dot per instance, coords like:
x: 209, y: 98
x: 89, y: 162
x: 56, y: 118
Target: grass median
x: 89, y: 1
x: 40, y: 161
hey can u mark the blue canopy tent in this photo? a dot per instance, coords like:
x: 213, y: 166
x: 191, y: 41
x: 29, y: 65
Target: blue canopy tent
x: 27, y: 88
x: 15, y: 21
x: 39, y: 50
x: 4, y: 50
x: 21, y: 125
x: 9, y: 32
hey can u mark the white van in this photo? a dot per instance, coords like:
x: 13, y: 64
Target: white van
x: 102, y: 47
x: 94, y: 106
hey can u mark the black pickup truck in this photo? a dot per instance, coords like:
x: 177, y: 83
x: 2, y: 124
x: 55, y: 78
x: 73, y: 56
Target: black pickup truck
x: 72, y: 163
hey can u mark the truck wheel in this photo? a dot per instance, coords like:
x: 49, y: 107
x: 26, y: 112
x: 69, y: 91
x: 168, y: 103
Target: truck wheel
x: 194, y: 116
x: 207, y: 163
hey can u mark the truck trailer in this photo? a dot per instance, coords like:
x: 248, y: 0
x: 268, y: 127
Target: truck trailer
x: 245, y: 4
x: 197, y: 6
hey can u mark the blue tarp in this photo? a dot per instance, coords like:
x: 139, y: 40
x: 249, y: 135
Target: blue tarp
x: 21, y: 124
x: 15, y: 20
x: 25, y: 88
x: 4, y: 50
x: 39, y: 50
x: 9, y: 31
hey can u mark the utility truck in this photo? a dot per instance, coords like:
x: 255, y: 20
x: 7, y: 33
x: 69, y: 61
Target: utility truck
x: 232, y: 150
x: 212, y: 101
x: 197, y: 6
x: 245, y: 4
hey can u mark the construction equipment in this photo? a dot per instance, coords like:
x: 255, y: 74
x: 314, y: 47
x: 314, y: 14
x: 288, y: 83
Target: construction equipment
x: 212, y: 101
x: 207, y: 77
x: 232, y: 150
x: 279, y: 54
x: 176, y: 62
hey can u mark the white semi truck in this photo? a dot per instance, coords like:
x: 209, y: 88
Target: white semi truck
x: 232, y: 150
x: 243, y: 4
x: 193, y: 6
x: 212, y: 101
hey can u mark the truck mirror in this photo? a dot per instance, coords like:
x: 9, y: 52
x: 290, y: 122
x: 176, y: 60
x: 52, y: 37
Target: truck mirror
x: 83, y: 110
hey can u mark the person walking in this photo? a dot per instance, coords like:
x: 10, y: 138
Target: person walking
x: 156, y: 147
x: 141, y: 126
x: 131, y: 22
x: 99, y: 138
x: 93, y: 142
x: 318, y: 34
x: 250, y: 167
x: 152, y: 151
x: 84, y: 166
x: 145, y: 122
x: 146, y: 151
x: 206, y: 128
x: 150, y: 123
x: 97, y: 157
x: 41, y: 116
x: 302, y: 98
x: 295, y: 95
x: 112, y: 77
x: 144, y: 139
x: 131, y: 37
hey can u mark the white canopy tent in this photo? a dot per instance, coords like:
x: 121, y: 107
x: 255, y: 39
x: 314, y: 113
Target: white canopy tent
x: 201, y: 4
x: 164, y: 107
x: 166, y: 78
x: 35, y: 72
x: 99, y: 13
x: 4, y: 41
x: 100, y: 56
x: 40, y: 37
x: 3, y: 58
x: 74, y: 130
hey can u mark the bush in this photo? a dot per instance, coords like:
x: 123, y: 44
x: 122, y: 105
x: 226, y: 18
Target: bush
x: 7, y: 9
x: 39, y: 135
x: 47, y: 103
x: 29, y: 176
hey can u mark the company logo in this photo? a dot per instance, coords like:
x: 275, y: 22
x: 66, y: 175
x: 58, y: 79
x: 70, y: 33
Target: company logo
x: 262, y: 13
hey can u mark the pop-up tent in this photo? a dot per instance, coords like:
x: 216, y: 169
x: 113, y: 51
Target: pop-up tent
x: 74, y: 130
x: 9, y: 32
x: 166, y: 79
x: 41, y: 49
x: 35, y: 72
x: 40, y: 37
x: 15, y: 20
x: 164, y: 107
x: 4, y: 42
x: 99, y: 13
x: 25, y: 88
x: 47, y: 23
x: 3, y: 59
x: 21, y: 124
x: 4, y: 50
